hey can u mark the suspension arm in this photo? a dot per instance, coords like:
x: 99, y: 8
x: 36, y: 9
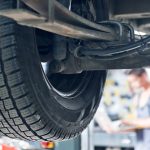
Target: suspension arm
x: 77, y: 65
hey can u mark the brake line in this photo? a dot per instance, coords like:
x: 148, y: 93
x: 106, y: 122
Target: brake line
x: 115, y: 52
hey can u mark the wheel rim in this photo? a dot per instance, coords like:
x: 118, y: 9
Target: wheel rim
x: 69, y: 87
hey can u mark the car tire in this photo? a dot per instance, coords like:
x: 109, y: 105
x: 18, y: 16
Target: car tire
x: 33, y: 106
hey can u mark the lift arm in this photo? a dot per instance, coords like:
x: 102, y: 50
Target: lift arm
x: 51, y: 16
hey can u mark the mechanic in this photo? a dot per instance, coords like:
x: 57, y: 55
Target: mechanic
x: 140, y: 84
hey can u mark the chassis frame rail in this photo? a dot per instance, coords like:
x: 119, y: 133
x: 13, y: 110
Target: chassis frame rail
x: 51, y: 16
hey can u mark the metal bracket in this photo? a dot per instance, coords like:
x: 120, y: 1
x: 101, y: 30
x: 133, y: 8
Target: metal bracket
x: 51, y: 11
x: 18, y: 4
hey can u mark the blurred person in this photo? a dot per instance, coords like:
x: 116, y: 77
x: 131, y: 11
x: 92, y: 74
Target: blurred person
x: 140, y: 84
x: 103, y: 120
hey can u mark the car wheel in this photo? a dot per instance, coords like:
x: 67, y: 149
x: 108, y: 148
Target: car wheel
x: 34, y: 105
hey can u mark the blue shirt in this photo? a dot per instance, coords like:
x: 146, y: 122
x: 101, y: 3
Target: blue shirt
x: 143, y: 136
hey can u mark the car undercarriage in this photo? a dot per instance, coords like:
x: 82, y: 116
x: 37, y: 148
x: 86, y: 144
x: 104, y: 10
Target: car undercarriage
x: 106, y: 34
x: 54, y: 55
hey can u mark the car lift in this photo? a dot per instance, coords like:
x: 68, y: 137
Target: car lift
x: 116, y: 46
